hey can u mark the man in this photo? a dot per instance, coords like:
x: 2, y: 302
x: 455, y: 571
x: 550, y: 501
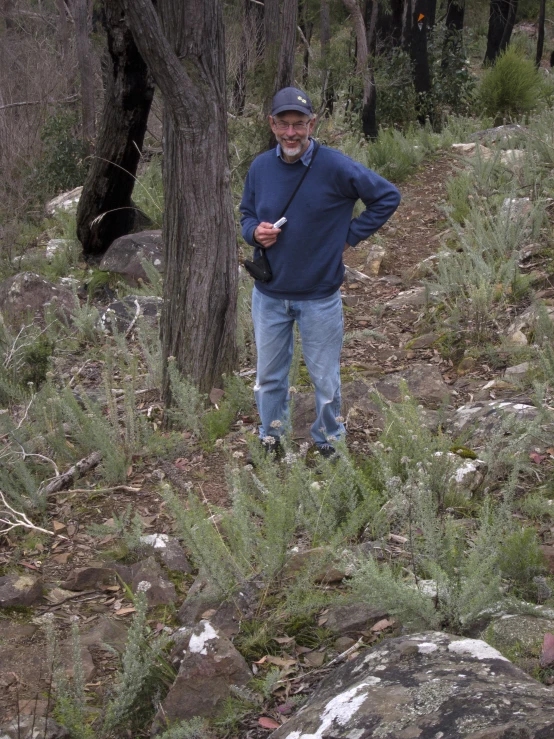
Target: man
x: 305, y: 257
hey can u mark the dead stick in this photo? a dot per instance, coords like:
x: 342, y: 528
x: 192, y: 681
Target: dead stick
x: 76, y: 471
x: 116, y: 488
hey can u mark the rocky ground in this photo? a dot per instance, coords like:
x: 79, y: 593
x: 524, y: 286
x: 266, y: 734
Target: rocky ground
x: 76, y: 576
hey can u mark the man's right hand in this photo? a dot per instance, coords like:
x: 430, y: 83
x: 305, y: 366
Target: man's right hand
x: 265, y: 234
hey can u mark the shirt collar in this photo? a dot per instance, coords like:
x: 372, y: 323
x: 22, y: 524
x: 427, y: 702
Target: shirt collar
x: 306, y: 157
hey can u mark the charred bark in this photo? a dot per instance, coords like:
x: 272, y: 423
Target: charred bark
x: 327, y: 95
x: 419, y: 54
x: 184, y: 48
x: 501, y: 23
x: 369, y: 99
x: 86, y: 71
x: 109, y: 184
x: 540, y: 32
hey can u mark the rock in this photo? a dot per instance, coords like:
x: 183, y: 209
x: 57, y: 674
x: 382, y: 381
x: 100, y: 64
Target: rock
x: 148, y: 577
x: 343, y: 643
x: 548, y: 552
x: 417, y: 297
x: 518, y: 369
x: 518, y: 338
x: 352, y: 619
x: 57, y: 245
x: 320, y: 558
x: 350, y: 300
x: 67, y: 659
x: 122, y: 312
x: 473, y: 149
x: 516, y: 208
x: 353, y: 275
x: 90, y: 578
x: 19, y: 590
x: 201, y: 598
x: 167, y: 550
x: 208, y: 666
x: 375, y: 256
x: 468, y: 476
x: 431, y: 685
x: 518, y: 632
x: 486, y: 416
x: 527, y: 321
x: 106, y: 632
x: 31, y: 727
x: 240, y: 606
x: 26, y: 296
x: 547, y: 651
x: 424, y: 341
x: 125, y: 254
x: 67, y: 201
x: 499, y: 133
x: 512, y: 157
x: 424, y: 382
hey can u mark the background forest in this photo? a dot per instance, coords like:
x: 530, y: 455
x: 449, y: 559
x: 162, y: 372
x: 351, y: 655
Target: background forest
x: 127, y: 513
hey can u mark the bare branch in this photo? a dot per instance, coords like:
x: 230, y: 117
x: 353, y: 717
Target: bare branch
x: 77, y: 470
x: 13, y: 519
x: 63, y: 101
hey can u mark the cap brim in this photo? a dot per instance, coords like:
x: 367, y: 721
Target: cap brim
x: 298, y: 108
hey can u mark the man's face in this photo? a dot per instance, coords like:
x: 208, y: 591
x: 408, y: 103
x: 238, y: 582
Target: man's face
x: 292, y: 131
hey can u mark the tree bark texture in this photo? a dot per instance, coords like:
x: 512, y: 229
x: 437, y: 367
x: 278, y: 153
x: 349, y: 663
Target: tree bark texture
x: 432, y: 12
x: 111, y: 177
x: 418, y: 49
x: 184, y: 48
x: 253, y: 44
x: 287, y: 49
x: 63, y: 28
x: 540, y: 32
x: 455, y: 15
x: 369, y: 100
x: 327, y: 95
x: 81, y: 17
x: 501, y: 23
x: 406, y: 33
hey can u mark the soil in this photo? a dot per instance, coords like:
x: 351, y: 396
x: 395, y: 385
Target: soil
x: 413, y: 234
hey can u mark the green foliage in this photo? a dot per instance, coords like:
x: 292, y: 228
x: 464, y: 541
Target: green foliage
x: 520, y: 558
x: 24, y: 359
x: 459, y: 189
x: 62, y: 165
x: 196, y: 728
x: 511, y: 87
x: 148, y: 194
x: 127, y: 527
x: 536, y: 506
x: 85, y: 321
x: 396, y: 98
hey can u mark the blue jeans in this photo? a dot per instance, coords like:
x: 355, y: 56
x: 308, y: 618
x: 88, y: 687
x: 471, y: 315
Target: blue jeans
x: 320, y: 323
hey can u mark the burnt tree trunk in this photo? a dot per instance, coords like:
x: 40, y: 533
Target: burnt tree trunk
x: 127, y: 98
x: 185, y: 51
x: 327, y: 94
x: 432, y: 12
x: 86, y: 71
x: 454, y: 29
x: 406, y: 24
x: 540, y: 32
x: 369, y: 100
x: 501, y: 22
x: 418, y: 51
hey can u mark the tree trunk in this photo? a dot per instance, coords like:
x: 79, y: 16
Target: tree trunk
x: 327, y: 94
x: 239, y: 86
x: 454, y: 29
x: 272, y: 29
x: 501, y: 23
x: 406, y: 32
x: 287, y: 49
x: 540, y: 33
x: 184, y: 48
x: 86, y: 71
x: 432, y: 12
x: 418, y: 49
x: 63, y: 28
x: 371, y: 15
x: 110, y: 180
x: 369, y: 99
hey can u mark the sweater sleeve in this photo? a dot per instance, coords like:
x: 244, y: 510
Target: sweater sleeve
x: 380, y: 197
x: 248, y: 219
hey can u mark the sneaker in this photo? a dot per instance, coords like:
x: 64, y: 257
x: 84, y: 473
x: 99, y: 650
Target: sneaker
x: 273, y: 449
x: 327, y: 451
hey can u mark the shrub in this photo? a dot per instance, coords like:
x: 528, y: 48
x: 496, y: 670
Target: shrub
x: 511, y: 87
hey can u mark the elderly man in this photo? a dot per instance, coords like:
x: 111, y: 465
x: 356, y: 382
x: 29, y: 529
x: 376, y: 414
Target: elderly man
x: 304, y: 261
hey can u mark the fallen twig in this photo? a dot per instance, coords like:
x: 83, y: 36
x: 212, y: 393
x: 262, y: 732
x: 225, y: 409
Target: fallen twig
x: 132, y: 324
x: 14, y: 519
x: 115, y: 489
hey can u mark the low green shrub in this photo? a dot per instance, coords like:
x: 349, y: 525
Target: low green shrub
x: 511, y: 87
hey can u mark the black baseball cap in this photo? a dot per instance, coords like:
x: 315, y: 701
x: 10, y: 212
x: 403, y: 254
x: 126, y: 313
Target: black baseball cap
x: 290, y: 98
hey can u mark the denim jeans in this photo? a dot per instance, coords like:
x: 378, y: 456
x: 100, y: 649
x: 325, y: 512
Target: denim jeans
x: 320, y: 323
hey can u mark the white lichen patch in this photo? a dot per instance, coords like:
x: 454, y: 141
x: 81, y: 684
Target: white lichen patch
x: 339, y: 710
x: 427, y: 647
x: 475, y: 648
x: 158, y: 541
x: 197, y: 643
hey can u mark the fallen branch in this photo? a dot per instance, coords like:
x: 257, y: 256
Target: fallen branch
x: 13, y: 519
x: 115, y: 489
x: 77, y: 470
x: 132, y: 324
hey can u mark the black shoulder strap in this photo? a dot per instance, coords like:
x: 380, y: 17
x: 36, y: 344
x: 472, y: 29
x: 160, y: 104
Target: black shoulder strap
x: 316, y: 149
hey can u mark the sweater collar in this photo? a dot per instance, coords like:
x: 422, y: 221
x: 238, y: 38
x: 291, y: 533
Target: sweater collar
x: 306, y: 157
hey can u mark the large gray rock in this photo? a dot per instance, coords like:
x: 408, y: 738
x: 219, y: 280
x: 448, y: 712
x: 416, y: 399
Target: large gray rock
x: 481, y: 419
x: 27, y: 296
x: 352, y: 619
x: 89, y: 578
x: 167, y: 550
x: 424, y: 382
x: 121, y: 313
x: 19, y: 590
x: 426, y: 686
x: 66, y: 201
x: 126, y: 253
x: 148, y: 577
x: 208, y: 666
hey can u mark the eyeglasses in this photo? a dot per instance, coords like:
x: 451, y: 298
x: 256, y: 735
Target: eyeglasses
x: 299, y: 127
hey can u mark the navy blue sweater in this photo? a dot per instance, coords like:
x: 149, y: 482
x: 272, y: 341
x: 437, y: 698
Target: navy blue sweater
x: 306, y: 260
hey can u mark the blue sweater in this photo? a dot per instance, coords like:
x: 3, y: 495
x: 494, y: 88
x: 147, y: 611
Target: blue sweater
x: 306, y: 260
